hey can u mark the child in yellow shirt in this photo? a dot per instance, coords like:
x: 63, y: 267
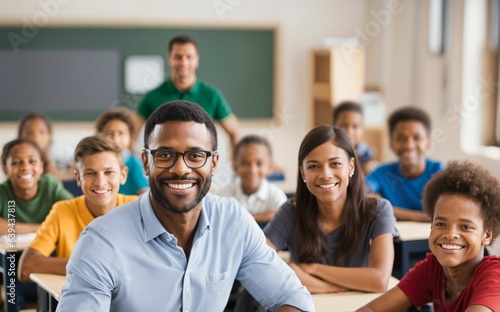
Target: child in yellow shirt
x: 99, y: 172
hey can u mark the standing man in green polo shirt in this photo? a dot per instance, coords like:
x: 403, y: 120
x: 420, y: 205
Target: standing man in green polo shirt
x: 182, y: 84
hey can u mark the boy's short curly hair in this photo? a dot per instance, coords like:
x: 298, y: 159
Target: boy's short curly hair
x: 409, y: 113
x: 469, y: 180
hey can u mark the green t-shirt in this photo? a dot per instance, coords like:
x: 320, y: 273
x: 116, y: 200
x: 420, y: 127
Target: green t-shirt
x: 50, y: 191
x: 209, y: 98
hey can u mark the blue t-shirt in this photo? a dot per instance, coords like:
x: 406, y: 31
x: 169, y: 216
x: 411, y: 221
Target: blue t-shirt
x: 136, y: 180
x: 389, y: 182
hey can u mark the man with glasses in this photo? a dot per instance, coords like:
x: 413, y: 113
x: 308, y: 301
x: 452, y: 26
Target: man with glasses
x: 177, y: 248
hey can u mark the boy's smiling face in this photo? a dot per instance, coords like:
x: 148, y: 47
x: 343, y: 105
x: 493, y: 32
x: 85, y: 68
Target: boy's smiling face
x: 410, y: 142
x: 352, y: 124
x: 252, y: 164
x: 100, y: 176
x: 458, y: 235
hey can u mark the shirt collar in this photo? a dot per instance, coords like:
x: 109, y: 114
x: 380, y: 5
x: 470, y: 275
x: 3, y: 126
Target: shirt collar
x: 173, y: 89
x: 153, y: 228
x: 204, y: 222
x: 260, y: 194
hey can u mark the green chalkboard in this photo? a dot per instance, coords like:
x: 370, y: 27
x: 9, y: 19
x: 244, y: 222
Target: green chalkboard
x: 239, y: 62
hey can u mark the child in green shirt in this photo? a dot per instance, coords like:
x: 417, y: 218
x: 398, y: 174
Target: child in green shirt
x: 28, y: 194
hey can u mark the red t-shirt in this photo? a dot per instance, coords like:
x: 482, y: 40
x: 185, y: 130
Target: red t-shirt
x: 426, y: 283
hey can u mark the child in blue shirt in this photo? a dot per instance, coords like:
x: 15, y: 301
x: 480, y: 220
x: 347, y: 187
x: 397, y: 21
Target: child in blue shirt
x: 117, y: 124
x: 402, y: 182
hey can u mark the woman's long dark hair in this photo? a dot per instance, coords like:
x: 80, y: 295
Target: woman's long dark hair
x: 358, y: 209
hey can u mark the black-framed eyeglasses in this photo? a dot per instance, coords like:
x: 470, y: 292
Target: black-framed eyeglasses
x: 164, y: 158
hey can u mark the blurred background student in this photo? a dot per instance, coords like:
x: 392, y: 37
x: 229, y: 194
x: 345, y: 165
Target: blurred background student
x: 33, y: 191
x: 117, y: 124
x: 38, y: 128
x: 252, y: 162
x: 402, y: 182
x: 33, y: 194
x: 348, y: 116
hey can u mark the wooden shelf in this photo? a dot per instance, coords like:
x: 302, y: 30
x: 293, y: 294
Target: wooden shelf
x: 338, y: 75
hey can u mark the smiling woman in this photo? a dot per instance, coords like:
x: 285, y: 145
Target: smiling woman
x: 339, y: 239
x: 327, y: 255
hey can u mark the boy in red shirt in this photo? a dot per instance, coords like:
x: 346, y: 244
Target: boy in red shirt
x: 464, y: 203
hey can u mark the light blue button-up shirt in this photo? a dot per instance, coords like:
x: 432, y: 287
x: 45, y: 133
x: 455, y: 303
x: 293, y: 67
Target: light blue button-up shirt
x: 127, y: 261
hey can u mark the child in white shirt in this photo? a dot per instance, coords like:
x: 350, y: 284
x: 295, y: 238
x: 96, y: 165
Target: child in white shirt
x: 252, y: 162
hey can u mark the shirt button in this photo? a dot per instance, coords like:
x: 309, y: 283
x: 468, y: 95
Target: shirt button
x: 188, y: 289
x: 169, y: 239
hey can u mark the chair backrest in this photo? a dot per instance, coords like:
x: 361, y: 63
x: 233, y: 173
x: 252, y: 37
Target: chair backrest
x: 71, y: 186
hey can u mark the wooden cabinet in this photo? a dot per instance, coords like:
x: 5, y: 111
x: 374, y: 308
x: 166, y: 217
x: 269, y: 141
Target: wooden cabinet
x: 378, y: 139
x: 338, y: 75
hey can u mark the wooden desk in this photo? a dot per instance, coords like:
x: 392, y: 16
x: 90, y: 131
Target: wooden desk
x: 10, y: 253
x: 346, y: 301
x: 412, y: 231
x: 51, y: 285
x: 413, y: 240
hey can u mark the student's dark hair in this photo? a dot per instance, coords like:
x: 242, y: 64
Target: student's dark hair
x: 31, y: 116
x: 358, y: 210
x: 179, y: 111
x: 96, y: 144
x: 182, y: 39
x: 346, y: 106
x: 409, y: 113
x: 121, y: 113
x: 471, y: 181
x: 252, y: 139
x: 7, y: 148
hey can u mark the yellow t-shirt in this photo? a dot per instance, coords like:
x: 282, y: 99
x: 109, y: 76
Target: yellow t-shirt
x: 63, y: 225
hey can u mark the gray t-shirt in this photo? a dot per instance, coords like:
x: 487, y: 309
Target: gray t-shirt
x: 280, y: 231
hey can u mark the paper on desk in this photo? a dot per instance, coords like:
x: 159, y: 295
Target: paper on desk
x: 20, y: 238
